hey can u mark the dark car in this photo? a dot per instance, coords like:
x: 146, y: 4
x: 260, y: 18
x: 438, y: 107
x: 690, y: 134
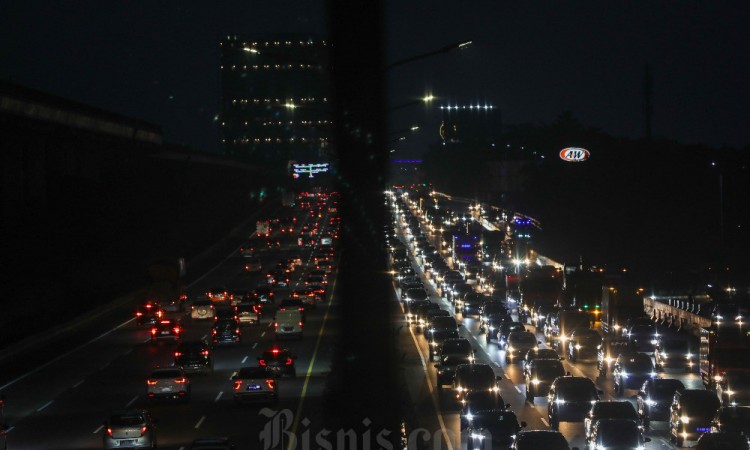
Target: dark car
x: 608, y: 352
x: 212, y: 444
x: 691, y: 414
x: 480, y: 401
x: 446, y: 368
x: 608, y: 409
x: 491, y: 309
x: 278, y: 362
x: 410, y: 309
x: 617, y: 434
x: 264, y: 294
x: 420, y: 314
x: 293, y: 303
x: 734, y: 388
x: 732, y: 419
x: 570, y: 399
x: 540, y: 375
x: 129, y: 428
x: 441, y: 334
x: 541, y: 439
x: 631, y: 370
x: 722, y: 441
x: 499, y: 428
x: 474, y: 377
x: 584, y: 344
x: 254, y: 384
x: 225, y: 312
x: 226, y: 332
x: 674, y: 353
x: 148, y: 314
x: 654, y: 399
x: 166, y: 329
x: 538, y: 353
x: 194, y: 356
x: 504, y: 331
x: 415, y: 294
x: 460, y: 346
x: 492, y: 324
x: 643, y: 337
x: 472, y: 304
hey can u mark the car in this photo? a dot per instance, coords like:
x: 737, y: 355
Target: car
x: 212, y: 444
x: 583, y: 344
x: 541, y: 439
x: 620, y: 434
x: 631, y: 370
x: 474, y: 377
x: 175, y: 303
x: 725, y: 313
x: 672, y: 352
x: 226, y: 332
x: 217, y: 294
x: 540, y: 375
x: 264, y: 294
x: 293, y: 303
x: 570, y: 399
x: 168, y: 383
x: 722, y: 441
x: 446, y: 368
x: 319, y: 290
x: 691, y: 414
x: 519, y: 342
x: 472, y: 304
x: 239, y: 295
x: 492, y: 429
x: 643, y: 337
x: 202, y: 309
x: 734, y: 388
x: 480, y: 401
x: 148, y: 314
x: 308, y: 296
x: 225, y: 312
x: 278, y: 278
x: 441, y: 329
x: 732, y: 419
x: 249, y: 312
x: 252, y: 264
x: 411, y: 307
x: 460, y: 346
x: 608, y: 409
x: 278, y: 362
x: 194, y: 356
x: 539, y: 353
x: 415, y: 294
x: 166, y: 329
x: 608, y: 351
x: 288, y: 323
x: 134, y: 428
x: 654, y: 399
x: 539, y: 314
x: 504, y: 331
x: 420, y: 314
x: 490, y: 309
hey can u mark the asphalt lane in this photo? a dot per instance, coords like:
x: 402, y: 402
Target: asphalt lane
x: 62, y: 405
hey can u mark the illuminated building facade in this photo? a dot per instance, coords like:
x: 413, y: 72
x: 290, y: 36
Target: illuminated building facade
x: 275, y: 99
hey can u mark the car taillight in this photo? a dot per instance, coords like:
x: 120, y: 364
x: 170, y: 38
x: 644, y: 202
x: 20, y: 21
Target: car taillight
x: 289, y: 361
x: 204, y: 353
x: 262, y: 363
x: 177, y: 330
x: 300, y: 324
x: 153, y: 330
x: 213, y: 332
x: 138, y: 314
x: 180, y: 380
x: 143, y: 430
x: 237, y: 385
x: 177, y: 354
x: 276, y: 324
x: 151, y: 382
x: 271, y: 383
x: 237, y: 331
x: 109, y: 431
x: 183, y: 297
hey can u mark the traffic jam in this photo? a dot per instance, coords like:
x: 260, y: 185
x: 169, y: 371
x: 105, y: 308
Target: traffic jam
x: 520, y: 352
x: 208, y: 358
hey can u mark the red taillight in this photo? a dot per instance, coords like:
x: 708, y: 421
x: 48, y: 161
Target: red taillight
x: 151, y: 382
x: 262, y: 363
x: 301, y: 309
x: 275, y: 351
x: 177, y: 330
x: 164, y: 322
x: 237, y: 385
x: 109, y: 431
x: 213, y: 332
x: 138, y: 314
x: 183, y: 297
x: 300, y: 324
x: 153, y: 330
x: 149, y: 305
x: 237, y: 331
x: 204, y: 353
x: 180, y: 380
x: 276, y: 324
x: 177, y: 354
x: 289, y: 361
x: 271, y: 383
x: 143, y: 430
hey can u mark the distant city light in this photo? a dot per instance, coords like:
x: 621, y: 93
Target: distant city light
x: 470, y: 107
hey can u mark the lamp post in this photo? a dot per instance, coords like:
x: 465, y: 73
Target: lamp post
x: 446, y: 49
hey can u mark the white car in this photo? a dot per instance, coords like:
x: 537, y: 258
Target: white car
x: 168, y: 382
x: 202, y: 309
x: 254, y: 384
x: 288, y: 323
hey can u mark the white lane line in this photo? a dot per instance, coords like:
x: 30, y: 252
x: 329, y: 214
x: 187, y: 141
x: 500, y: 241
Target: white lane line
x: 132, y: 400
x: 232, y: 376
x: 127, y: 351
x: 98, y: 429
x: 270, y: 324
x: 182, y: 448
x: 9, y: 429
x: 64, y: 355
x: 218, y: 396
x: 262, y: 334
x: 197, y: 425
x: 44, y: 405
x: 147, y: 340
x: 79, y: 383
x: 517, y: 389
x: 544, y: 421
x: 245, y: 358
x: 255, y: 345
x: 204, y: 337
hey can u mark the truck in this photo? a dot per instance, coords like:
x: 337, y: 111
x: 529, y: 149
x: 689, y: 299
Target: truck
x: 561, y: 326
x: 263, y: 227
x: 582, y: 288
x: 619, y: 303
x: 539, y: 286
x: 288, y: 199
x: 722, y: 349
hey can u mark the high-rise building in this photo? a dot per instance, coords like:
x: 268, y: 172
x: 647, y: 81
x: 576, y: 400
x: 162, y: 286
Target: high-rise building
x: 275, y: 102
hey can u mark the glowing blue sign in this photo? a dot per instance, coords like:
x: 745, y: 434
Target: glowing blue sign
x: 310, y: 169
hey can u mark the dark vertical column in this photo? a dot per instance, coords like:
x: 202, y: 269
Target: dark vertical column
x: 648, y: 109
x: 364, y: 397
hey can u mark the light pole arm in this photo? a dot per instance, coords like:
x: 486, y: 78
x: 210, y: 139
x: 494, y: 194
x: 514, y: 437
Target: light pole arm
x: 445, y: 49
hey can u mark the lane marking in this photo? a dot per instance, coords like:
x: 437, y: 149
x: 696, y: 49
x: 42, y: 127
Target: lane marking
x: 544, y: 421
x: 517, y: 389
x: 127, y: 351
x: 204, y: 337
x: 262, y: 334
x: 49, y: 363
x: 197, y: 425
x: 255, y: 345
x: 232, y: 376
x: 79, y: 383
x: 310, y: 366
x: 131, y: 401
x: 270, y: 324
x: 101, y: 427
x: 245, y: 358
x: 9, y: 429
x: 44, y: 405
x: 218, y: 396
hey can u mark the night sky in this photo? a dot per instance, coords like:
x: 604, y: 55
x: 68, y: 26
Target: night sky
x: 533, y: 60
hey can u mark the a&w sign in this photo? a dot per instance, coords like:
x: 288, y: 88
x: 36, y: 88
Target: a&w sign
x: 574, y: 154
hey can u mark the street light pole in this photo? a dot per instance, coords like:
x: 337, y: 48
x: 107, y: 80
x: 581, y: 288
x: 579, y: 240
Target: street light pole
x: 446, y: 49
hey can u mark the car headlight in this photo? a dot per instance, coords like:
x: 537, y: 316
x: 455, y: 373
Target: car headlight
x: 511, y: 349
x: 578, y: 346
x: 535, y: 381
x: 688, y: 356
x: 624, y: 374
x: 494, y: 389
x: 563, y: 338
x: 492, y: 328
x: 609, y: 359
x: 685, y: 419
x: 459, y: 389
x: 434, y: 344
x: 653, y: 374
x: 560, y: 401
x: 718, y: 378
x: 653, y: 341
x: 729, y: 392
x: 469, y: 416
x: 650, y: 402
x: 477, y: 436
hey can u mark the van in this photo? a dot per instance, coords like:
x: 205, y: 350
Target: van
x: 288, y: 323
